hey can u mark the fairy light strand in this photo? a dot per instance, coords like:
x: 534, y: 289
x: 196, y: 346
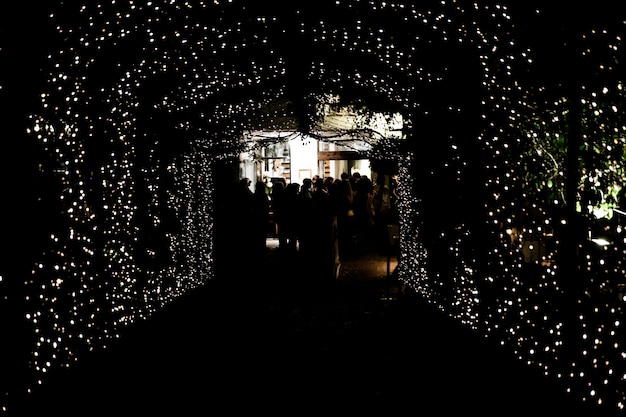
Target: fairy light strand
x: 132, y: 79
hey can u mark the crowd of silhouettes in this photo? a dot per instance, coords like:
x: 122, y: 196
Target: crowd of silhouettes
x: 307, y: 217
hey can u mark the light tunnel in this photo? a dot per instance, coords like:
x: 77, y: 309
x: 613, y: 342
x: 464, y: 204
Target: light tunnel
x: 148, y: 101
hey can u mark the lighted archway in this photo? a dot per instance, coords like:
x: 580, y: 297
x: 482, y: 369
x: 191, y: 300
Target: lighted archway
x: 144, y: 98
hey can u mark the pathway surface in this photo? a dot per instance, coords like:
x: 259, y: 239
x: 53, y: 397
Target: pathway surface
x: 279, y: 344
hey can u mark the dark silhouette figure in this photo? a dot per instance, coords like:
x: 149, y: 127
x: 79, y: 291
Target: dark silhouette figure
x: 341, y: 197
x: 321, y: 255
x: 260, y: 218
x: 354, y: 178
x: 290, y: 216
x: 364, y: 211
x: 304, y: 219
x: 278, y: 207
x: 385, y: 208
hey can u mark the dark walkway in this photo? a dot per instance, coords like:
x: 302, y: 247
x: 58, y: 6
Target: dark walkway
x: 278, y: 344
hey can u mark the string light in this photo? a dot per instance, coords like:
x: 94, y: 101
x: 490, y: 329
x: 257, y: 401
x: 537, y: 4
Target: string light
x: 145, y: 96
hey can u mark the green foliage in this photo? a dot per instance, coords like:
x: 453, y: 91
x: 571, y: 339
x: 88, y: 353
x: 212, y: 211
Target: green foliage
x: 602, y: 153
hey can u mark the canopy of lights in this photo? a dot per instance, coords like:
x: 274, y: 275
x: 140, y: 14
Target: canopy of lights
x: 144, y: 97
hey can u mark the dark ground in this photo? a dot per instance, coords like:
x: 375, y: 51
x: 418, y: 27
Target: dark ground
x: 277, y: 344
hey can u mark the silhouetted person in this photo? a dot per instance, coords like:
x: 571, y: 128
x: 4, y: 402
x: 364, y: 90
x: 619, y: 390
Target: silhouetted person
x: 385, y: 212
x: 328, y: 181
x: 354, y: 178
x: 341, y: 197
x: 315, y: 181
x: 278, y: 206
x: 260, y: 217
x: 364, y: 211
x: 290, y: 216
x: 305, y: 226
x: 320, y: 251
